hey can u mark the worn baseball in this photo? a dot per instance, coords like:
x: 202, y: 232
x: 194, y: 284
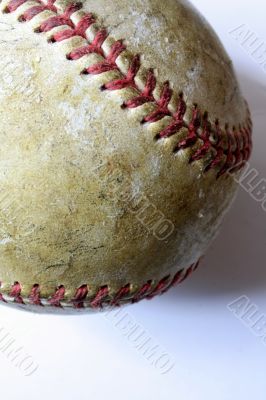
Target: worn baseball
x: 123, y: 130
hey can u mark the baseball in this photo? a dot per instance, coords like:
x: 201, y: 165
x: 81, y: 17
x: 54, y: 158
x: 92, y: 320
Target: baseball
x: 123, y: 130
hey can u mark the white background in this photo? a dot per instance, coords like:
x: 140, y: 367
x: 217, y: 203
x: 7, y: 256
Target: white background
x: 216, y: 356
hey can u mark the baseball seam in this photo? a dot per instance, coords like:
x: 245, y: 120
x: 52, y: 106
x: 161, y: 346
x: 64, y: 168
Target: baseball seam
x: 223, y: 149
x: 102, y: 297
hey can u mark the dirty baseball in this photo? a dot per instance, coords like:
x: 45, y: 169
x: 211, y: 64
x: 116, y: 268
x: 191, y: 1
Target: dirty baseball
x: 122, y: 130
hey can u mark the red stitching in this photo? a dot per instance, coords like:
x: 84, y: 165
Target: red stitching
x: 161, y: 287
x: 13, y: 5
x: 94, y: 47
x: 129, y: 79
x: 222, y: 158
x: 64, y: 19
x: 192, y: 135
x: 121, y: 294
x: 102, y: 293
x: 162, y: 109
x: 142, y: 293
x: 177, y: 279
x: 35, y: 10
x: 79, y: 30
x: 178, y: 121
x: 146, y: 96
x: 102, y: 296
x: 59, y: 295
x: 187, y: 273
x: 34, y: 297
x: 80, y: 296
x: 205, y: 137
x: 109, y: 63
x: 16, y: 293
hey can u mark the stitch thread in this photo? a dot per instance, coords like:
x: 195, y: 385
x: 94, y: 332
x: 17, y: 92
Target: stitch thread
x: 159, y: 288
x: 83, y: 299
x: 59, y: 295
x: 81, y: 294
x: 16, y: 293
x: 142, y: 293
x: 34, y: 296
x: 97, y: 301
x: 211, y: 137
x: 122, y: 293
